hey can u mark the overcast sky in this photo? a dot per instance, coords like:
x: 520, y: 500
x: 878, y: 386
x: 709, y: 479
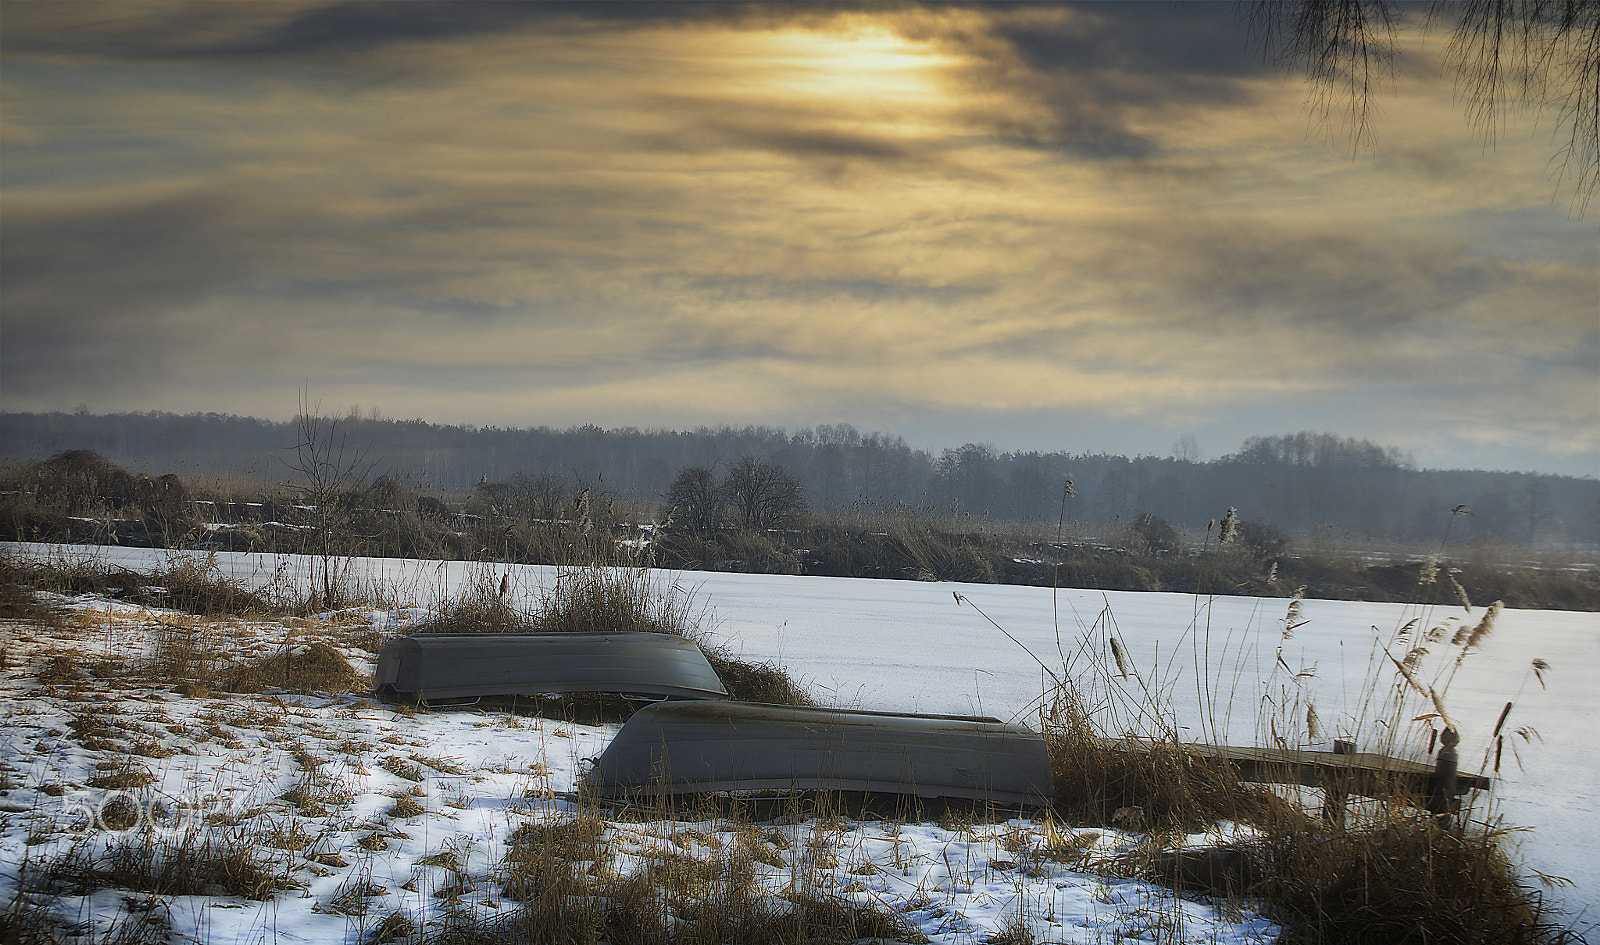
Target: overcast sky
x: 1083, y: 228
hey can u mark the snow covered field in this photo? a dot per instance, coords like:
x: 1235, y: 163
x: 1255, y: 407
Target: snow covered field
x: 916, y: 647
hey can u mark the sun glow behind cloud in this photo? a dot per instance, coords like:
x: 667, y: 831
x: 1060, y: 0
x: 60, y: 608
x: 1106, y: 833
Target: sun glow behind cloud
x: 838, y: 69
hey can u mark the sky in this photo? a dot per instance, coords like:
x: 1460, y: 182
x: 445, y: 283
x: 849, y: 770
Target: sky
x: 1082, y: 227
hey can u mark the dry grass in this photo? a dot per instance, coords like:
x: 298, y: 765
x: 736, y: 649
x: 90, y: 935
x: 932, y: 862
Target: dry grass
x: 187, y: 657
x: 1394, y: 874
x: 613, y: 599
x: 191, y: 584
x: 18, y: 600
x: 194, y: 863
x: 318, y: 793
x: 480, y: 608
x: 607, y: 600
x: 757, y: 682
x: 1158, y: 786
x: 302, y: 668
x: 560, y: 874
x: 1390, y: 873
x: 1402, y: 878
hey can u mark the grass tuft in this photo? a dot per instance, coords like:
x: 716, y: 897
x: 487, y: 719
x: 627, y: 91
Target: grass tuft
x: 757, y: 682
x: 304, y: 668
x: 194, y: 863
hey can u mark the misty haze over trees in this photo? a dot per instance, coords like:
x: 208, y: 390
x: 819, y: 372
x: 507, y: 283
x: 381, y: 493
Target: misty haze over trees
x: 1298, y: 484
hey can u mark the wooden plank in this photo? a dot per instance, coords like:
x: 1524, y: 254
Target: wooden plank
x: 1364, y: 773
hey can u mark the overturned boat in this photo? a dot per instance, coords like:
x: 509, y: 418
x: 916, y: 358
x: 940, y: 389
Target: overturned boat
x: 459, y: 667
x: 686, y: 748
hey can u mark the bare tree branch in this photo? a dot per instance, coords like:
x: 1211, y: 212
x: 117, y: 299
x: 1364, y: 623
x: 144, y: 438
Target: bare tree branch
x: 1506, y: 55
x: 330, y: 471
x: 1345, y: 47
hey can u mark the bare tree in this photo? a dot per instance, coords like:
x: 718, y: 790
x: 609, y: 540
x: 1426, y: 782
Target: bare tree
x: 761, y: 495
x: 695, y: 501
x: 330, y: 473
x: 969, y: 476
x: 1506, y: 54
x: 1533, y: 507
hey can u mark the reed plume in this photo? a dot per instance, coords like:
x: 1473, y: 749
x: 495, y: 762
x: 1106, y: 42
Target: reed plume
x: 1229, y: 523
x: 1122, y: 661
x: 1430, y: 570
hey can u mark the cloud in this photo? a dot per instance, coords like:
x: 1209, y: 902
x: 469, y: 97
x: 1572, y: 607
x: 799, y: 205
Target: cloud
x: 88, y: 285
x: 325, y: 31
x: 775, y: 214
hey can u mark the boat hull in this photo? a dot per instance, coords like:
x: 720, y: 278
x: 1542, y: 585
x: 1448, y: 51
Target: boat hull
x: 698, y: 748
x: 453, y: 667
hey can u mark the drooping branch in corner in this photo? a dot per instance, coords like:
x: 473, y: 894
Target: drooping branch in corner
x: 1506, y: 55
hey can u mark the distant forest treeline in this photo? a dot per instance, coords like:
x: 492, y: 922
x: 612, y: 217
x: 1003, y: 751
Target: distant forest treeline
x: 1298, y: 483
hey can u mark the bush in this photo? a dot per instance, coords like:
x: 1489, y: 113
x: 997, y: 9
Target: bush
x: 1263, y: 543
x: 1154, y: 536
x: 80, y: 495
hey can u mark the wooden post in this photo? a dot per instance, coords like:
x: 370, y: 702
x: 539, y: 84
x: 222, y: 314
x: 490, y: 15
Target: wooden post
x: 1333, y: 786
x: 1442, y: 786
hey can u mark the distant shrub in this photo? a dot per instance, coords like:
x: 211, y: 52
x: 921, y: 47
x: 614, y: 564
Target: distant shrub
x: 1155, y: 536
x: 1262, y: 542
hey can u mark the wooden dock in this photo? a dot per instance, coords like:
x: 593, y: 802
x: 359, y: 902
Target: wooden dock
x: 1337, y: 773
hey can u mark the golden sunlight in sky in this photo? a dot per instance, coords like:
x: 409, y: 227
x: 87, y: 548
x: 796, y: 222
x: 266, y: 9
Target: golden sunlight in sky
x: 836, y: 69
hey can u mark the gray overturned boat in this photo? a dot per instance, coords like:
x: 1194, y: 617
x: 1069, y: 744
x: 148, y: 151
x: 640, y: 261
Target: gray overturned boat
x: 710, y: 747
x: 453, y: 667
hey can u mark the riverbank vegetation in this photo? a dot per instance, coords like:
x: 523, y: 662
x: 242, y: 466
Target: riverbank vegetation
x: 756, y: 517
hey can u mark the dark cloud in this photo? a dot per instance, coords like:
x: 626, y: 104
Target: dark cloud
x: 84, y: 290
x: 816, y: 291
x: 123, y: 295
x: 1193, y: 44
x: 1087, y: 129
x: 1097, y: 64
x: 333, y: 31
x: 339, y: 29
x: 1231, y: 274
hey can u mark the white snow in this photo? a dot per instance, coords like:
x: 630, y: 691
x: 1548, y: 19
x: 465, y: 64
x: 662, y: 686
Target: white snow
x: 913, y: 646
